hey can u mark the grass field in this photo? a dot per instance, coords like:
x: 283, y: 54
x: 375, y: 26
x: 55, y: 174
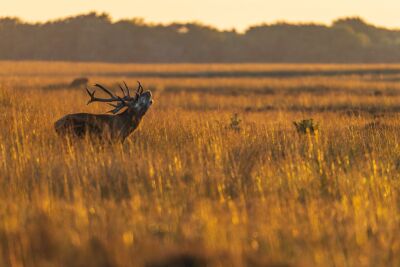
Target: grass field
x: 194, y: 185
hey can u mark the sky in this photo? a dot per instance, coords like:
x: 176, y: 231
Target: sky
x: 224, y: 14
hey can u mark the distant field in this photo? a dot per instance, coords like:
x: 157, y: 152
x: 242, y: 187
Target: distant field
x: 195, y: 185
x: 196, y: 70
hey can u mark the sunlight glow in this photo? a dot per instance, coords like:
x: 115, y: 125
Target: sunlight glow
x: 224, y: 14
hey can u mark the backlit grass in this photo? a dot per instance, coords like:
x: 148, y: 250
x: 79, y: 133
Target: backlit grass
x: 186, y: 186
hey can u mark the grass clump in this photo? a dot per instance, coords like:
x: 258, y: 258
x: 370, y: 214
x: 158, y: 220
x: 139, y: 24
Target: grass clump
x: 235, y: 123
x: 306, y: 126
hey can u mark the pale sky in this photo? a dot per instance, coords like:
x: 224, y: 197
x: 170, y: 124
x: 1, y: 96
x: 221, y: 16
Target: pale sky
x: 224, y: 14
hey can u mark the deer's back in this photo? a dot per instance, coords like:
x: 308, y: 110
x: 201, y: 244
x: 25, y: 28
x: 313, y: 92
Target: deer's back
x: 82, y: 123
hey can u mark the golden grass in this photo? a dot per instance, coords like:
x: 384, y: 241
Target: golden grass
x: 186, y: 188
x: 62, y: 68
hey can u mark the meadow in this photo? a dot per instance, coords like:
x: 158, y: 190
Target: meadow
x: 197, y: 185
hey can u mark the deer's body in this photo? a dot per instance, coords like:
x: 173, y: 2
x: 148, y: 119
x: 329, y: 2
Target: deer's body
x: 114, y: 128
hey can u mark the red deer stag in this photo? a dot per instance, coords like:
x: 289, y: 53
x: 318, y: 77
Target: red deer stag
x: 115, y: 127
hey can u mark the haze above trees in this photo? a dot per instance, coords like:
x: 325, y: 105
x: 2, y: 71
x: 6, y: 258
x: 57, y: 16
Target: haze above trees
x: 95, y: 37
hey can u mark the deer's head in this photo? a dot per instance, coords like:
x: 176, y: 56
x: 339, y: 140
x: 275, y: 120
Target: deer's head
x: 136, y: 104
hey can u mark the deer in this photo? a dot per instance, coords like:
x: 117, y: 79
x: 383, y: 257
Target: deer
x: 114, y: 128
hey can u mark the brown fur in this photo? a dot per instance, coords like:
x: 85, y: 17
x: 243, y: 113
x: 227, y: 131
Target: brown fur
x: 114, y: 128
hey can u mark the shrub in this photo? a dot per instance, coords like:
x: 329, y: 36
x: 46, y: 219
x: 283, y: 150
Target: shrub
x: 235, y: 122
x: 306, y: 126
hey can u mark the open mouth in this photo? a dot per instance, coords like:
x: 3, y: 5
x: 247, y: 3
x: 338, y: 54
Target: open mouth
x: 148, y: 98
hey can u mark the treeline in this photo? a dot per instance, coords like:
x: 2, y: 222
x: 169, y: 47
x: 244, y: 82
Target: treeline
x: 94, y: 37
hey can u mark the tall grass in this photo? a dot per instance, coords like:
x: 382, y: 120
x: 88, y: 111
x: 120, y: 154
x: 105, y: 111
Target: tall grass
x: 186, y: 188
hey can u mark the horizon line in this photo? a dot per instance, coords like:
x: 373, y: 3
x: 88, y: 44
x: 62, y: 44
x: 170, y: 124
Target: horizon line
x: 198, y: 22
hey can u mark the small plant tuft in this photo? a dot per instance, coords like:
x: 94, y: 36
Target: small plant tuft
x: 306, y: 126
x: 235, y: 123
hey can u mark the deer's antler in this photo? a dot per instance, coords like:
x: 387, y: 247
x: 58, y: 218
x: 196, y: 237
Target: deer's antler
x: 117, y: 107
x: 139, y: 89
x: 122, y: 101
x: 127, y: 94
x: 113, y: 98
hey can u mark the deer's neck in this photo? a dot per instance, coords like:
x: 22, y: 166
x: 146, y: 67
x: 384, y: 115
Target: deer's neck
x: 128, y: 121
